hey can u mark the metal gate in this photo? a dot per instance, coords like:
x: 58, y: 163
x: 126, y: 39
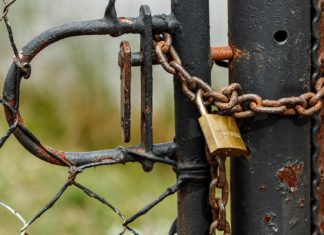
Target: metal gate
x: 274, y: 61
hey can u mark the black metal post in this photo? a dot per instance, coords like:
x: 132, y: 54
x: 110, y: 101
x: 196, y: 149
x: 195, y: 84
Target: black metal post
x: 192, y: 43
x: 271, y: 188
x: 146, y: 84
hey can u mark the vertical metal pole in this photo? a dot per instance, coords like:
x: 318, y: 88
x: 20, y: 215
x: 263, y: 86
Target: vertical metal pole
x: 192, y: 43
x: 271, y: 188
x: 147, y: 85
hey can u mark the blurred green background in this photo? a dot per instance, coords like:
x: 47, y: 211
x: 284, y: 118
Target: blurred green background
x: 71, y: 102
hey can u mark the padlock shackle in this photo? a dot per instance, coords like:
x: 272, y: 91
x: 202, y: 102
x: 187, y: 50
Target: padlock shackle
x: 200, y: 103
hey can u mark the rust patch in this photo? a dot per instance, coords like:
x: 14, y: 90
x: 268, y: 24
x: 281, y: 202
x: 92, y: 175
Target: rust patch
x: 301, y: 202
x: 41, y: 153
x: 289, y: 175
x: 125, y: 63
x: 148, y: 109
x: 237, y: 52
x: 124, y: 20
x: 140, y: 149
x: 108, y: 158
x: 263, y: 188
x: 221, y: 53
x: 9, y: 115
x: 22, y: 57
x: 58, y: 157
x: 267, y: 219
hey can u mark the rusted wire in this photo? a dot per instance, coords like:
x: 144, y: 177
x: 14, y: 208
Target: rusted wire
x: 5, y: 19
x: 47, y: 206
x: 230, y: 100
x: 25, y: 67
x: 6, y: 8
x: 169, y: 191
x: 73, y: 172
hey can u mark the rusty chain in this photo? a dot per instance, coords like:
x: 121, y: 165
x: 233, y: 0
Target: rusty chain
x: 218, y: 204
x: 230, y: 100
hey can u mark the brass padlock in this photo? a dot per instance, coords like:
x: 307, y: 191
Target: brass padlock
x: 221, y: 132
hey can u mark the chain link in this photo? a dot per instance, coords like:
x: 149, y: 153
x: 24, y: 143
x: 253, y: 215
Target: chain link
x: 230, y: 100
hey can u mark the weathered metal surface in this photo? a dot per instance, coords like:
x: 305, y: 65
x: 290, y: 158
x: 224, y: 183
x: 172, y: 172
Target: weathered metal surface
x: 221, y: 53
x: 275, y: 37
x: 192, y: 44
x: 125, y: 64
x: 289, y: 175
x: 147, y: 84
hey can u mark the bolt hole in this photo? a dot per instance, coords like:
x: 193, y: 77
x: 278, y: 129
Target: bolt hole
x: 280, y: 37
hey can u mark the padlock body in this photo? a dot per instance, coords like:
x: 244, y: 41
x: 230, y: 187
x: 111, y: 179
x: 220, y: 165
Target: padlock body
x: 222, y: 135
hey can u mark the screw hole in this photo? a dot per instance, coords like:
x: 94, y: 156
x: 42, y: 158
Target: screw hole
x: 280, y: 37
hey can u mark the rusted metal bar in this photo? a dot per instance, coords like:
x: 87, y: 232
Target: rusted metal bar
x: 271, y: 188
x: 193, y: 46
x: 125, y: 64
x: 164, y: 151
x: 216, y: 53
x: 221, y: 53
